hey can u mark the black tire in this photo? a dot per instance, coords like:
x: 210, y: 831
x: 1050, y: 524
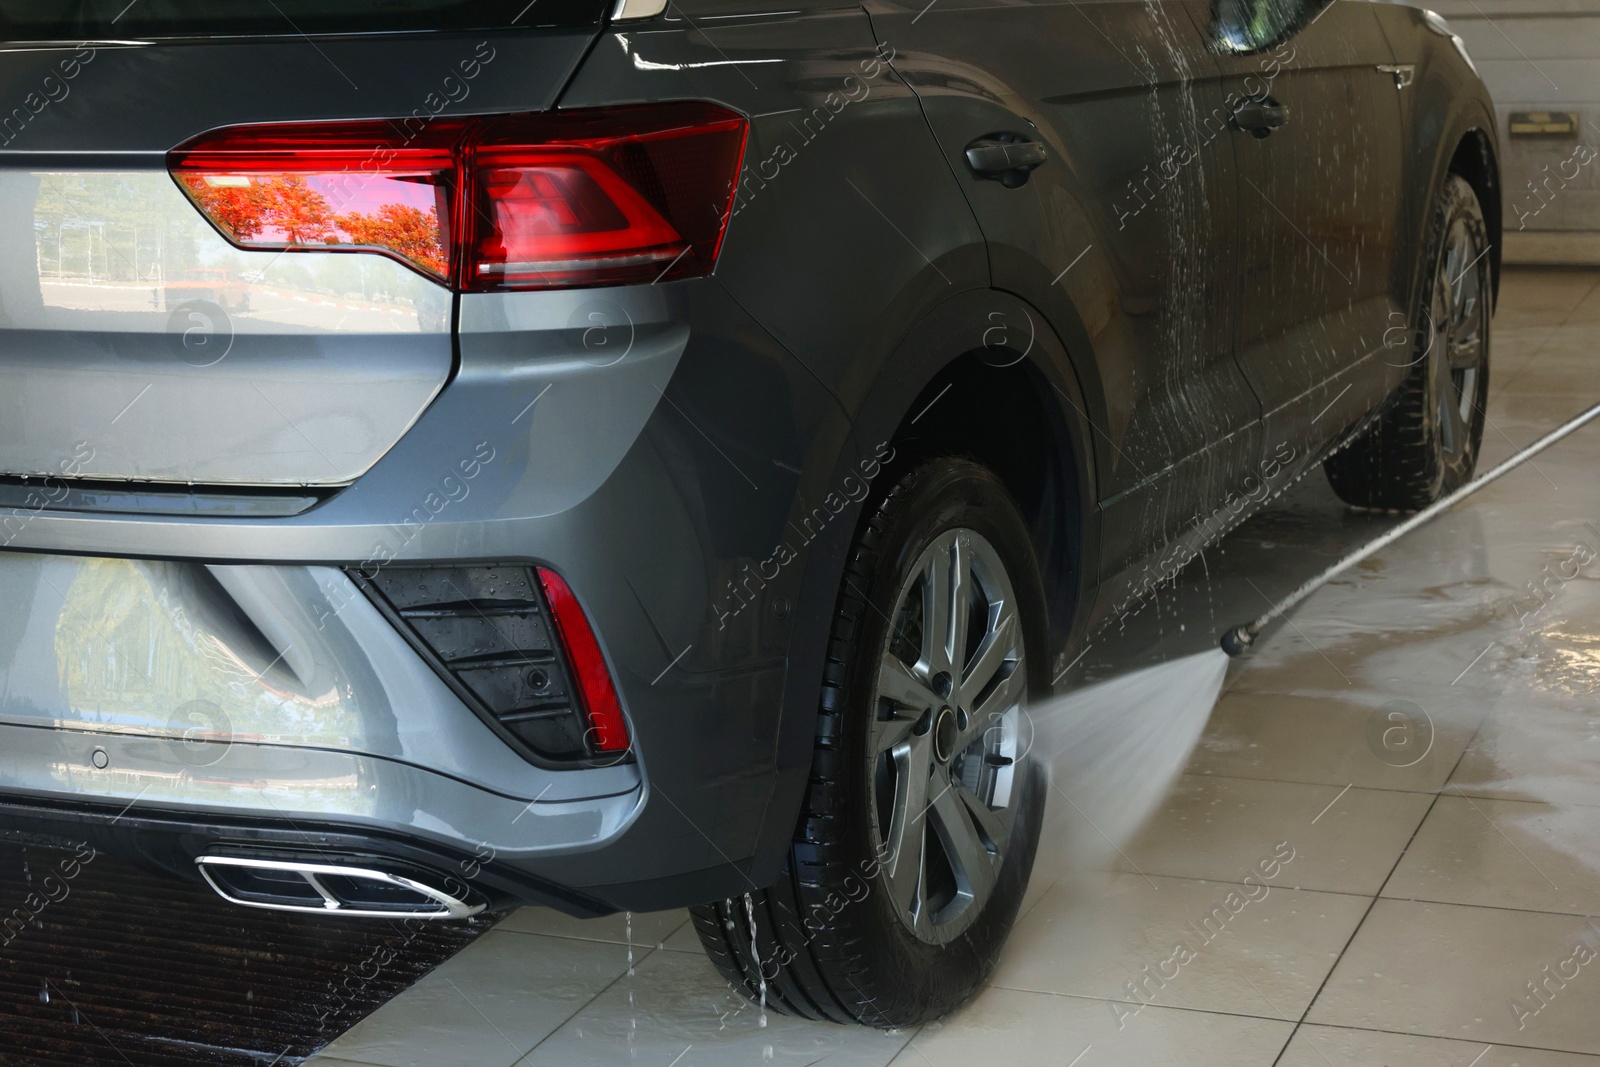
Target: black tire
x: 830, y: 941
x: 1426, y: 444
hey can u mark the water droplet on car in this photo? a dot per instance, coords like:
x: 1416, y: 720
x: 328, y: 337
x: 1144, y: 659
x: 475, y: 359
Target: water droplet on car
x: 755, y: 955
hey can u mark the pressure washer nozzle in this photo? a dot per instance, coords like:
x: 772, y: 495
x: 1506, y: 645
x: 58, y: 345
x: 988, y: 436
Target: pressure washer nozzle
x: 1237, y: 641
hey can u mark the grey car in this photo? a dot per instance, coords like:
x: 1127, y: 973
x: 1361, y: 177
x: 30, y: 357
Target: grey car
x: 620, y: 455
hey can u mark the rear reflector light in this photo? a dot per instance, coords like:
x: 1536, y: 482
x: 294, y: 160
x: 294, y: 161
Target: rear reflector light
x: 511, y: 641
x: 608, y: 731
x: 556, y: 199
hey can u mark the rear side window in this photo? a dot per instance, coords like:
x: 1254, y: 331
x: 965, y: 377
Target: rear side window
x: 30, y: 20
x: 1246, y: 26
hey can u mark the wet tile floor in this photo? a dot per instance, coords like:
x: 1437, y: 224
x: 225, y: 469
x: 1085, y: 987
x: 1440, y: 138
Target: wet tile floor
x: 1417, y: 760
x: 104, y: 964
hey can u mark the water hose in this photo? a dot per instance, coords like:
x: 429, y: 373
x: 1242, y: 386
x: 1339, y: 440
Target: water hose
x: 1239, y: 639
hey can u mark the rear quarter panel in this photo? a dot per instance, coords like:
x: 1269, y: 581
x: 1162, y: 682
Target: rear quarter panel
x: 847, y: 229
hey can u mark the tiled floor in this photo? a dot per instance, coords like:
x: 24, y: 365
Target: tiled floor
x: 1423, y: 750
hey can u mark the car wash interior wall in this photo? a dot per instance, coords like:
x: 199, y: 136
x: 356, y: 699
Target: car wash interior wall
x: 1539, y: 59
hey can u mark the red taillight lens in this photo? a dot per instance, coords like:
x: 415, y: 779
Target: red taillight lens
x: 351, y: 185
x: 626, y: 194
x: 608, y: 730
x: 562, y: 199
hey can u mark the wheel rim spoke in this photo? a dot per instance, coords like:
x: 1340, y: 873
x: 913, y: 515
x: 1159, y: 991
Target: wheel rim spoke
x: 960, y: 606
x: 899, y: 684
x: 1454, y: 267
x: 908, y: 831
x: 1469, y: 395
x: 936, y: 614
x: 1002, y: 698
x: 984, y: 817
x: 1464, y: 352
x: 1464, y: 294
x: 970, y: 858
x: 1466, y: 338
x: 999, y: 645
x: 888, y: 733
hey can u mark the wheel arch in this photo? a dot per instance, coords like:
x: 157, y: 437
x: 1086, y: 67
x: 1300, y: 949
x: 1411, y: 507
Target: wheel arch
x: 1450, y: 128
x: 985, y: 377
x: 1003, y: 418
x: 941, y: 363
x: 1474, y: 159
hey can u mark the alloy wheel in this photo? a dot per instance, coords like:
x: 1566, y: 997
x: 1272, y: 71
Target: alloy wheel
x: 943, y: 743
x: 1461, y: 325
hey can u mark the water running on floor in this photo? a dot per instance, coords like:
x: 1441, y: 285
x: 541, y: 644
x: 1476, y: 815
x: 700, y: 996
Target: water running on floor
x: 633, y: 1019
x: 1114, y: 749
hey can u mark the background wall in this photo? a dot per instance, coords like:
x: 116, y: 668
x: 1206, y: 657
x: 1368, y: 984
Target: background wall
x: 1541, y: 55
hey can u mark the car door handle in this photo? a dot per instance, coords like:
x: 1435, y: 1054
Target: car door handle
x: 1008, y: 158
x: 1260, y: 116
x: 1403, y: 73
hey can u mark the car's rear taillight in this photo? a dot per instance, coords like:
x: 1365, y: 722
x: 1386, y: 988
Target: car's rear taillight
x: 556, y: 199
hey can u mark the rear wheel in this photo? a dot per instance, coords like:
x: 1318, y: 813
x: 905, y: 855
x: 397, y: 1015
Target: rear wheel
x: 1426, y: 444
x: 921, y: 820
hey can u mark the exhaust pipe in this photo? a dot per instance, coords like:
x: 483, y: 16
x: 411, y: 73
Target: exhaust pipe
x: 328, y: 889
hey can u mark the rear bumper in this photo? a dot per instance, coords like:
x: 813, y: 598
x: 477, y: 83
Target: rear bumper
x: 172, y: 842
x: 173, y: 685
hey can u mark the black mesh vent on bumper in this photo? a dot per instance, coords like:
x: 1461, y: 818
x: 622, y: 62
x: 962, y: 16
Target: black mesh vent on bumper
x: 487, y: 631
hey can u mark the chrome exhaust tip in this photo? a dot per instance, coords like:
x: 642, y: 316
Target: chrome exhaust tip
x: 328, y: 889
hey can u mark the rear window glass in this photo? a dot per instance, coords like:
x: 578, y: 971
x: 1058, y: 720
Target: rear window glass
x: 30, y: 20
